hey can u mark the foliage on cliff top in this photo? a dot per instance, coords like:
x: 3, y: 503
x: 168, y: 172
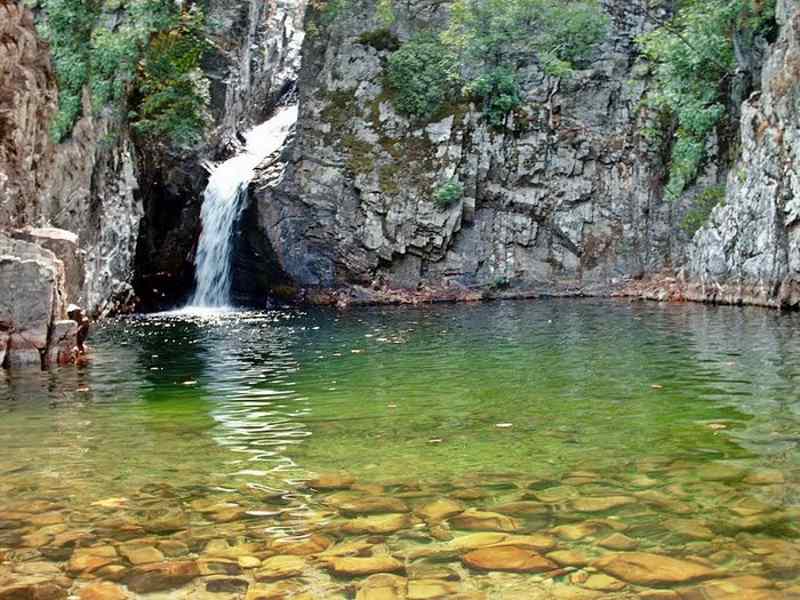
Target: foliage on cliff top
x: 695, y: 69
x: 486, y: 44
x: 103, y: 47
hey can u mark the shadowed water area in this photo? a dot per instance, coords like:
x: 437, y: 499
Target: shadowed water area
x: 554, y: 449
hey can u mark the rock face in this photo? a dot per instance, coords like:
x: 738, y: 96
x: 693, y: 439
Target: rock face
x: 85, y: 185
x: 750, y: 250
x: 33, y: 332
x: 569, y: 201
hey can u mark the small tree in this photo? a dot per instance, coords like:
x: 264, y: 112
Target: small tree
x: 424, y: 75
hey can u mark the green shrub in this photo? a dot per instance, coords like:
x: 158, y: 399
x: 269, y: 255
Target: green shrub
x: 495, y: 38
x: 423, y: 73
x: 91, y: 49
x: 702, y: 205
x: 448, y: 193
x: 172, y: 90
x: 500, y: 92
x: 380, y: 39
x: 695, y: 63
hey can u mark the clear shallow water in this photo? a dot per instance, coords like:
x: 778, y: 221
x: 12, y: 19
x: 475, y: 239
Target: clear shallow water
x: 690, y: 413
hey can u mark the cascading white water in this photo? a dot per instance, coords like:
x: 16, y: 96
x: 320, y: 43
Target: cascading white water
x: 222, y: 204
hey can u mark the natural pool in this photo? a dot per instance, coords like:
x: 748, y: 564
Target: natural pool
x: 553, y: 449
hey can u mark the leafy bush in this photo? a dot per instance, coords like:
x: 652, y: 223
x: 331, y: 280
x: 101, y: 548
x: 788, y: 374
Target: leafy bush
x: 495, y: 38
x: 702, y: 205
x: 90, y: 49
x: 695, y: 63
x: 67, y: 27
x: 172, y: 89
x: 448, y: 193
x: 380, y: 39
x: 423, y: 73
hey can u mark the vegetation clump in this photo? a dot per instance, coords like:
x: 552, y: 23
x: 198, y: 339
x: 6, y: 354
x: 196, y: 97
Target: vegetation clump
x: 424, y: 75
x: 695, y: 57
x: 115, y: 59
x: 448, y: 193
x: 496, y: 38
x: 380, y: 39
x: 484, y: 48
x: 702, y: 205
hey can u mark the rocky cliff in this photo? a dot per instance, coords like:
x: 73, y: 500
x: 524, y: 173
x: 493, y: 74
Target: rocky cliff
x: 85, y: 185
x: 749, y: 252
x: 567, y: 200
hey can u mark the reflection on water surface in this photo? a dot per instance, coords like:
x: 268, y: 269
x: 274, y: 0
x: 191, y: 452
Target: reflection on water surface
x: 510, y: 450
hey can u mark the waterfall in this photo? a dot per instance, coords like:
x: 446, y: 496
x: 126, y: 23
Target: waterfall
x: 223, y: 201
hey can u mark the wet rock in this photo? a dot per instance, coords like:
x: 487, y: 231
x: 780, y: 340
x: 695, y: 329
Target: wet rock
x: 103, y: 591
x: 556, y: 494
x: 140, y: 554
x: 457, y: 546
x: 618, y: 541
x: 664, y: 501
x: 440, y: 533
x: 748, y: 507
x: 161, y: 576
x: 382, y: 587
x: 349, y: 548
x: 522, y: 508
x: 764, y: 477
x: 508, y: 558
x: 594, y: 504
x: 484, y: 521
x: 659, y: 595
x: 603, y: 583
x: 429, y: 589
x: 537, y: 541
x: 166, y: 523
x: 569, y: 558
x: 652, y: 570
x: 357, y: 566
x: 373, y: 505
x: 218, y: 566
x: 173, y: 548
x: 690, y: 528
x: 112, y: 572
x: 378, y: 524
x: 314, y: 544
x: 439, y: 510
x: 37, y: 568
x: 249, y: 562
x: 281, y: 590
x: 32, y: 589
x: 720, y: 472
x: 226, y: 585
x: 575, y: 532
x: 569, y: 592
x: 432, y: 571
x: 280, y: 567
x: 332, y: 481
x: 87, y: 560
x: 727, y: 590
x: 469, y: 494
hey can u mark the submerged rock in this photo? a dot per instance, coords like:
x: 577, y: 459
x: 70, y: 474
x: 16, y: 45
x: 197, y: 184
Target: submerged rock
x: 486, y: 521
x: 647, y: 569
x: 508, y: 558
x: 281, y: 567
x: 162, y: 576
x: 355, y: 566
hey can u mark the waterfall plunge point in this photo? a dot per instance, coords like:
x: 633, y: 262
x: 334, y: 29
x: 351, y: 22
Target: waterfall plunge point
x: 223, y: 201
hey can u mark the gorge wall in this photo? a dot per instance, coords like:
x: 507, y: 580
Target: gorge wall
x: 568, y: 200
x: 750, y: 250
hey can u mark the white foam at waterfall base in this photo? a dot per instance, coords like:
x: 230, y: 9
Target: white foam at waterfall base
x: 223, y: 201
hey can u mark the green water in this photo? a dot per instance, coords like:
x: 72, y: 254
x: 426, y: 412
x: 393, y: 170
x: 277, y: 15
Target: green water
x: 695, y: 403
